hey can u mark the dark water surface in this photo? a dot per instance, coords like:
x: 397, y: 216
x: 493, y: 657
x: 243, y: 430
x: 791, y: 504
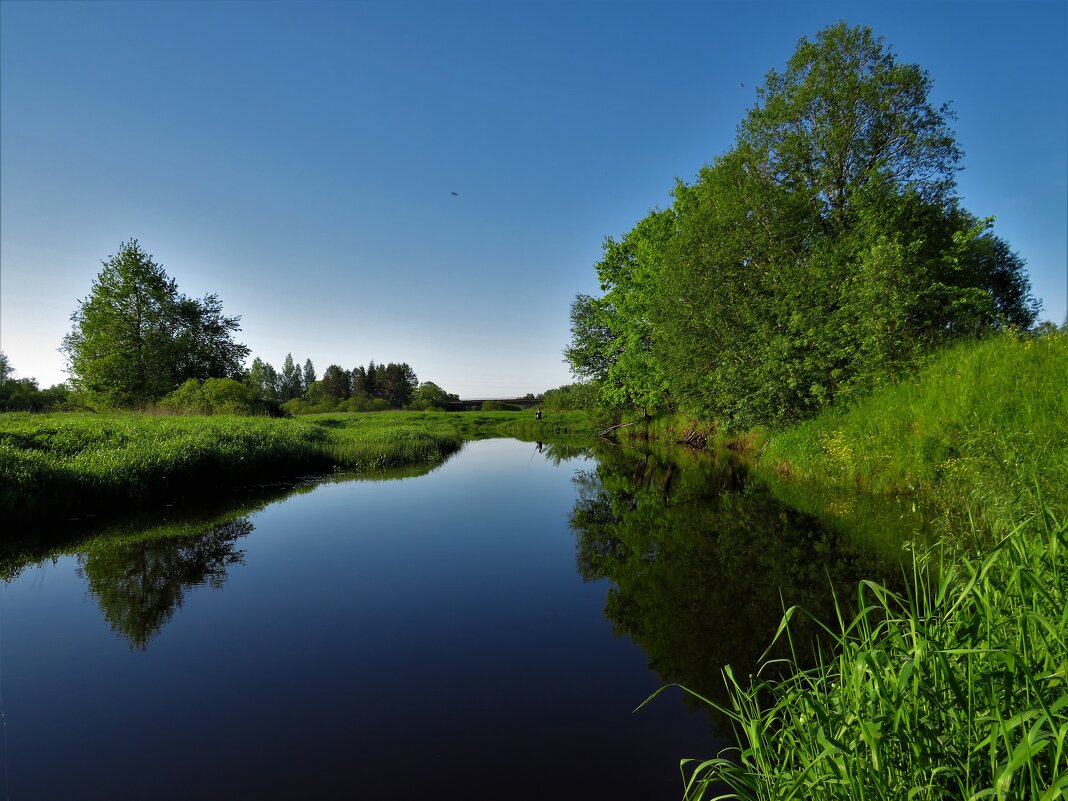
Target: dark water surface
x: 469, y: 633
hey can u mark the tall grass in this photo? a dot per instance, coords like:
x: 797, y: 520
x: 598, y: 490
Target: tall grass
x: 978, y: 429
x: 73, y: 464
x: 59, y: 465
x: 956, y: 689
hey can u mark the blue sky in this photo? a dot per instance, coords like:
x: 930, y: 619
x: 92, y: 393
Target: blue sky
x: 299, y: 159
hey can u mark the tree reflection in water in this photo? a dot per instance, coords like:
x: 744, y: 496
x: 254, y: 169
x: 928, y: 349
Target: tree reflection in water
x: 140, y: 586
x: 703, y: 562
x: 558, y: 452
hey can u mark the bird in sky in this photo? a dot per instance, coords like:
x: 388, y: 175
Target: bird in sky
x: 455, y: 194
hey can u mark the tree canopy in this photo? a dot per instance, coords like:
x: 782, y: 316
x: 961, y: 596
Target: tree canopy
x: 816, y: 259
x: 136, y: 338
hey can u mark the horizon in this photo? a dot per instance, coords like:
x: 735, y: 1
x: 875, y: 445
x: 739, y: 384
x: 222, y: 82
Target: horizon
x: 432, y: 184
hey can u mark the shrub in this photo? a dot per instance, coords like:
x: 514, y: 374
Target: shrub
x: 189, y: 398
x: 226, y: 396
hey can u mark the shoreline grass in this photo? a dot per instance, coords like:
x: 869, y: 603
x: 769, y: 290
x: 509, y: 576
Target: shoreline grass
x: 979, y: 431
x: 955, y: 689
x: 56, y: 466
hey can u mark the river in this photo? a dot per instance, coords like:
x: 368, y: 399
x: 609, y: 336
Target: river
x: 484, y: 630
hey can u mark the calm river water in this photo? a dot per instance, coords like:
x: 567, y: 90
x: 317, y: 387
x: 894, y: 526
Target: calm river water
x: 482, y: 631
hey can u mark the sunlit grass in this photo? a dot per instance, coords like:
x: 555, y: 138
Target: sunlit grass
x: 61, y: 464
x: 978, y: 430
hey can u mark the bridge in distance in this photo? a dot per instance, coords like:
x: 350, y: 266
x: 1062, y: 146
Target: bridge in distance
x: 474, y: 404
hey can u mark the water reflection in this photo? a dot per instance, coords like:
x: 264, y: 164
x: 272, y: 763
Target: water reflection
x: 702, y: 561
x: 140, y: 586
x: 559, y: 452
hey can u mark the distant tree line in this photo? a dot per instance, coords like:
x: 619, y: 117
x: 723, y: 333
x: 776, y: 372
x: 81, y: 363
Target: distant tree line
x: 23, y: 394
x: 819, y: 258
x: 296, y: 390
x: 363, y: 388
x: 137, y: 342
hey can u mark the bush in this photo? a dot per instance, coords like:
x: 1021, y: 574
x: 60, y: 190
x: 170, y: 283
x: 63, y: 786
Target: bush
x: 214, y: 396
x: 188, y: 398
x: 226, y: 396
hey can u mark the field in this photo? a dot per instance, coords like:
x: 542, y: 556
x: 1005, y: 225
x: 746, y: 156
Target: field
x: 62, y: 465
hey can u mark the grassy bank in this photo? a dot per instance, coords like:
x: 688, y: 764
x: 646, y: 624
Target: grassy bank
x: 983, y: 428
x: 955, y: 689
x: 62, y: 465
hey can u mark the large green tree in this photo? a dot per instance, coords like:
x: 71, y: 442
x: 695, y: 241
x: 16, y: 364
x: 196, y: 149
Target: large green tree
x: 614, y: 340
x: 397, y: 384
x: 845, y: 117
x: 136, y: 338
x: 814, y: 260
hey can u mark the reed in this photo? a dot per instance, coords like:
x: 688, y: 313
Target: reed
x: 955, y: 689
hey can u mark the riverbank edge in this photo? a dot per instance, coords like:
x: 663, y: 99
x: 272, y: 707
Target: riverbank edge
x: 980, y: 436
x: 979, y: 432
x: 55, y: 467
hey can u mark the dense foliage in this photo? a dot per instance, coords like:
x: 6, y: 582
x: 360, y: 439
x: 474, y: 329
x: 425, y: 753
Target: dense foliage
x: 571, y: 397
x: 216, y: 396
x: 815, y: 260
x: 136, y: 338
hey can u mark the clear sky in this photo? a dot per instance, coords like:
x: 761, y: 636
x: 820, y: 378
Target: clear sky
x: 299, y: 159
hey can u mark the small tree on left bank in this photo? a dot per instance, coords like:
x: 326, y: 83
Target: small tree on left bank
x: 136, y: 338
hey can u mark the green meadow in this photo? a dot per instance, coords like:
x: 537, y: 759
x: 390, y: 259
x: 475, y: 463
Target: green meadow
x: 64, y: 465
